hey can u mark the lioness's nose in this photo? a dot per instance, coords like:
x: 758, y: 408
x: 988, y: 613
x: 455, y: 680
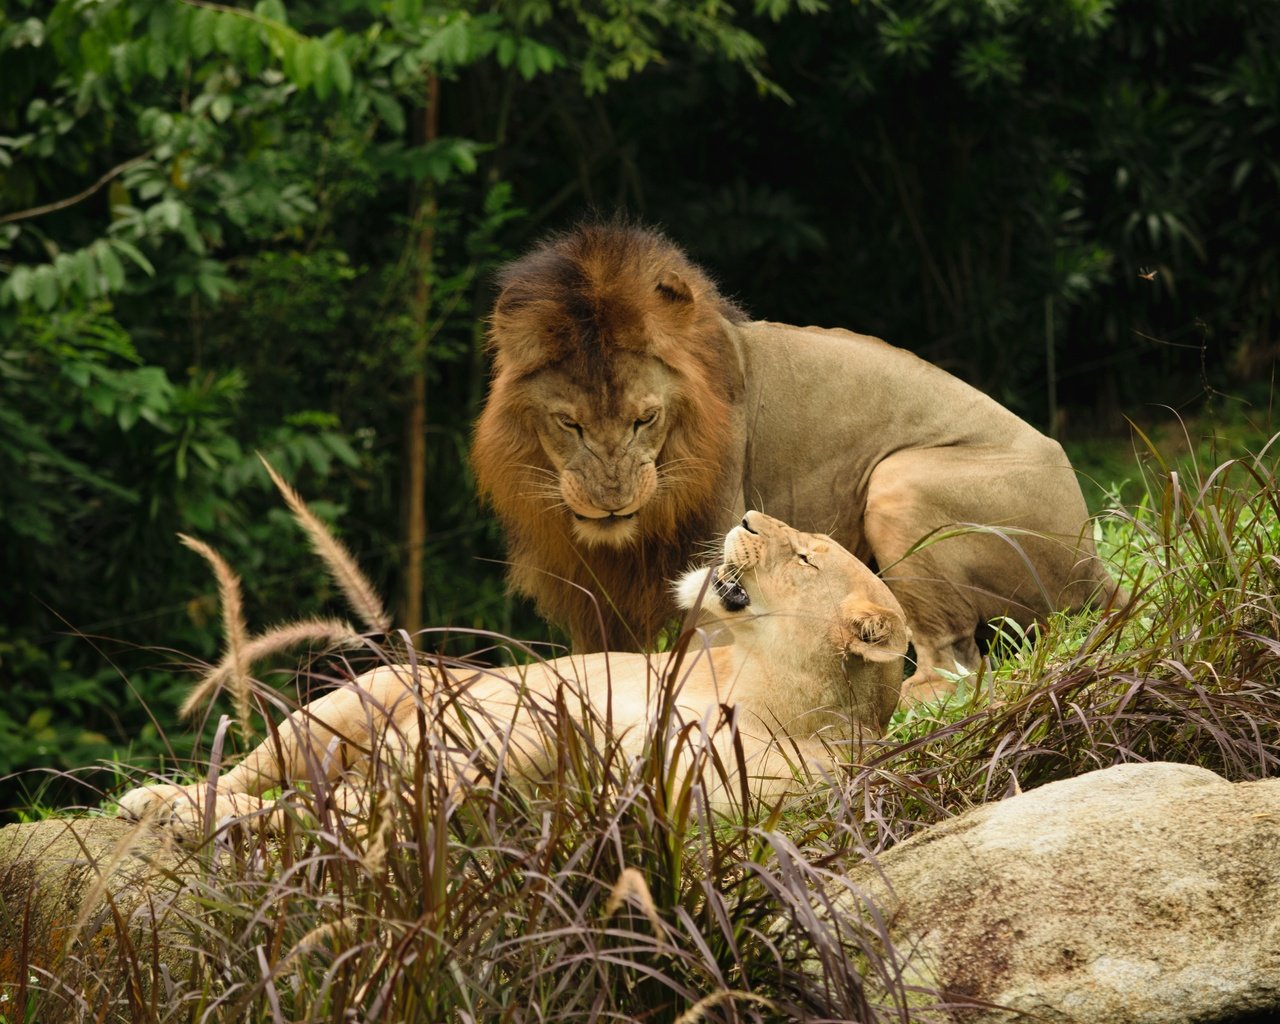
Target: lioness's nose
x: 746, y: 523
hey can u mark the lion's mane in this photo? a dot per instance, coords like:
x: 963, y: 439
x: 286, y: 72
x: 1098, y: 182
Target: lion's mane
x: 575, y: 302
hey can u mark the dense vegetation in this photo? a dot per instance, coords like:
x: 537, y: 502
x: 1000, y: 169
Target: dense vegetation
x: 227, y: 230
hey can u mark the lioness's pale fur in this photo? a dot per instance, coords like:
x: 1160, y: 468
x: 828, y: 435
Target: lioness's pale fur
x: 802, y: 639
x: 634, y: 412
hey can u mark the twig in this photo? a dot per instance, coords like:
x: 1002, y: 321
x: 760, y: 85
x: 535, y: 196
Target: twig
x: 61, y: 204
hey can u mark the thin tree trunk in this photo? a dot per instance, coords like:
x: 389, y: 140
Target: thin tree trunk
x: 415, y: 470
x: 1051, y: 368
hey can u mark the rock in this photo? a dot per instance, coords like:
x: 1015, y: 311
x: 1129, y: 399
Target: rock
x: 1139, y: 894
x: 67, y: 885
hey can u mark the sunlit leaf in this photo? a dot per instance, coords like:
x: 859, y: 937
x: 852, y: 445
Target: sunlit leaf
x: 110, y: 265
x: 19, y: 283
x: 340, y: 71
x: 44, y: 286
x: 132, y: 251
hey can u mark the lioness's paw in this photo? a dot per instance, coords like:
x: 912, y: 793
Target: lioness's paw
x: 177, y: 807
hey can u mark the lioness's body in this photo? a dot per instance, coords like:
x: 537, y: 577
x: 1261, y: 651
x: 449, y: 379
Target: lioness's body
x: 685, y: 413
x: 812, y: 662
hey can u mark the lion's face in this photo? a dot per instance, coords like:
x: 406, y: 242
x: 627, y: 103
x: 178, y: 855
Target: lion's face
x: 604, y: 442
x: 801, y: 589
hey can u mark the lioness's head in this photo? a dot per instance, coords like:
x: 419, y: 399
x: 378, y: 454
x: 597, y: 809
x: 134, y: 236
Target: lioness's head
x: 801, y: 593
x: 613, y: 385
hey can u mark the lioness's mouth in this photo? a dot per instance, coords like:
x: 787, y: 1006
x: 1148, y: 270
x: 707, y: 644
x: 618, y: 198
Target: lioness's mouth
x: 733, y: 597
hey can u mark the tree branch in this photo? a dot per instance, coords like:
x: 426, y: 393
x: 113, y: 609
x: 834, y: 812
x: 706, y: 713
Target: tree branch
x: 62, y: 204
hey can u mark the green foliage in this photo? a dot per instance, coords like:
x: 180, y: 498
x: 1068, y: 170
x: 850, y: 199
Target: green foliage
x: 962, y: 163
x: 207, y: 251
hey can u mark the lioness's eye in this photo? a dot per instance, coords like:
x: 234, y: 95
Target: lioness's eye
x: 804, y: 559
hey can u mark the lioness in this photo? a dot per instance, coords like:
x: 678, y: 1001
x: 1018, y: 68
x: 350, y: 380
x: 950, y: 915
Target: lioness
x: 634, y: 412
x: 813, y: 662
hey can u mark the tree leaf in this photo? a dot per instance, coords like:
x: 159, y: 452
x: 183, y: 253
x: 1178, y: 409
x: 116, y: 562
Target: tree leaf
x: 132, y: 251
x: 18, y: 285
x: 272, y: 9
x: 464, y: 156
x: 547, y: 58
x: 110, y: 265
x: 340, y: 71
x: 200, y: 31
x: 389, y: 110
x: 527, y: 60
x: 316, y: 55
x: 506, y: 52
x: 226, y: 28
x: 44, y: 285
x: 295, y: 62
x: 221, y: 108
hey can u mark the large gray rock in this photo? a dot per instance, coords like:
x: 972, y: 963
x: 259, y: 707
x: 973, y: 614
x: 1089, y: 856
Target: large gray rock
x: 67, y: 886
x: 1139, y: 894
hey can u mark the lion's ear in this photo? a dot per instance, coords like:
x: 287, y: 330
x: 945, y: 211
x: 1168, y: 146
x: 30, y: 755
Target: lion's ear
x: 871, y: 631
x: 673, y: 287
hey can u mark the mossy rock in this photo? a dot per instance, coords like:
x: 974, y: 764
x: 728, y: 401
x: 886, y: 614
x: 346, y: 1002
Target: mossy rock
x: 90, y: 902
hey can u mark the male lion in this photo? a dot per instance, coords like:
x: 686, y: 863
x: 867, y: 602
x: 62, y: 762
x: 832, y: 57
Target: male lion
x: 634, y: 412
x: 813, y: 664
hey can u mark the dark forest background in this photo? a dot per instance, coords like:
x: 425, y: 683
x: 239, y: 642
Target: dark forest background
x: 227, y: 230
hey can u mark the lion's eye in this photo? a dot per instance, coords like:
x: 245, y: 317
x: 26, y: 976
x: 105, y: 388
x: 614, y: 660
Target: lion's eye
x: 569, y: 423
x: 646, y: 419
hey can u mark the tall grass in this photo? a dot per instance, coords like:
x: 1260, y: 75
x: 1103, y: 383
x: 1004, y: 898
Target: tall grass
x: 1188, y: 671
x: 610, y: 894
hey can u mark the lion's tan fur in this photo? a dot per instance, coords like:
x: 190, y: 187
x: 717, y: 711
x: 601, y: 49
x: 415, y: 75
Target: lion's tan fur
x: 969, y: 512
x: 812, y: 664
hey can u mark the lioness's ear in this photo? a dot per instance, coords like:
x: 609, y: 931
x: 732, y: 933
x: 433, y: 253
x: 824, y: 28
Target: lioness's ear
x: 673, y: 287
x: 870, y: 630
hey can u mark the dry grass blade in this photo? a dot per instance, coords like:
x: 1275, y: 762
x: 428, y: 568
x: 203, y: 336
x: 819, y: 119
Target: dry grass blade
x: 382, y: 835
x: 698, y: 1011
x: 235, y: 632
x: 355, y: 586
x: 321, y: 937
x: 329, y: 633
x: 631, y: 885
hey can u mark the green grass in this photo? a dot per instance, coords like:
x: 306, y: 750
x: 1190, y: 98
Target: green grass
x: 1117, y: 472
x: 610, y: 895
